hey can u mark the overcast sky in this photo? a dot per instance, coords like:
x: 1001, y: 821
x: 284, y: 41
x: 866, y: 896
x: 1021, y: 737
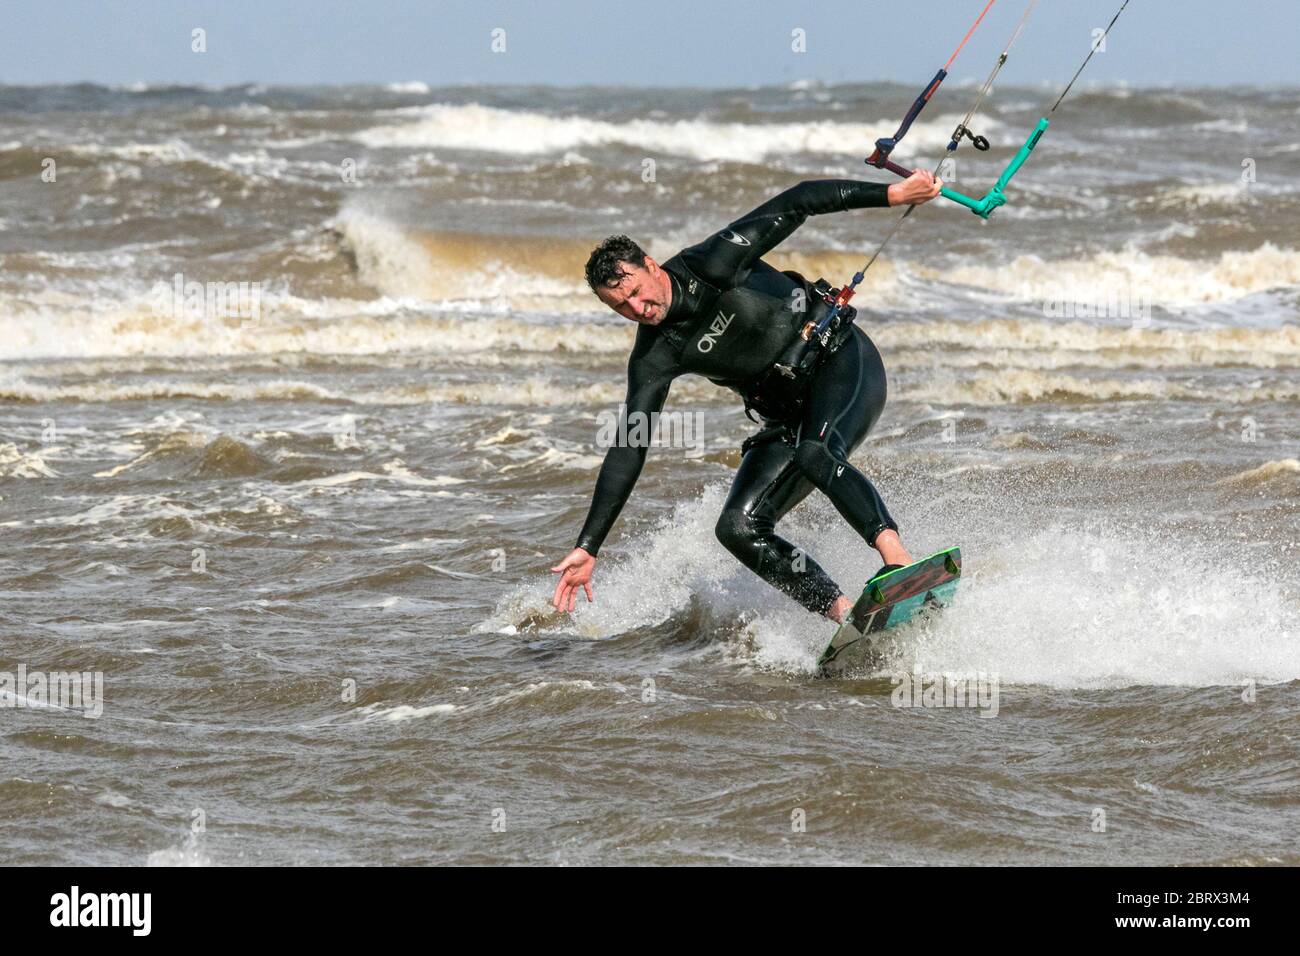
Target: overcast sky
x: 662, y: 43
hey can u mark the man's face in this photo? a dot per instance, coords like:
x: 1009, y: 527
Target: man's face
x: 642, y: 295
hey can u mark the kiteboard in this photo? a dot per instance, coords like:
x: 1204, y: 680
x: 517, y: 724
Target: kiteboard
x: 888, y: 600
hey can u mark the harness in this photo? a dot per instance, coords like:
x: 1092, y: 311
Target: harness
x: 780, y: 393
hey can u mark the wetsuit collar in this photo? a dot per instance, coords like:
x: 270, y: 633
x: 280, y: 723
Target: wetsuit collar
x: 690, y: 293
x: 676, y: 306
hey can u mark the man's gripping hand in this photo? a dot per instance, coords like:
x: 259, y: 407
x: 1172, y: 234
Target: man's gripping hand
x: 918, y: 188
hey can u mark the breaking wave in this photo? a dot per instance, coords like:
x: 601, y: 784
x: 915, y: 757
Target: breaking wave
x: 495, y: 130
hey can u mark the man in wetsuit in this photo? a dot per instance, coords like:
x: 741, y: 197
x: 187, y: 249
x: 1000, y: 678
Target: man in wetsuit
x: 717, y: 309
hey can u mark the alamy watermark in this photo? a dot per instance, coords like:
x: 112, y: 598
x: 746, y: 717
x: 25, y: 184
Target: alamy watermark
x: 978, y: 690
x: 63, y: 690
x: 1103, y: 302
x: 182, y: 298
x: 128, y: 910
x: 624, y: 429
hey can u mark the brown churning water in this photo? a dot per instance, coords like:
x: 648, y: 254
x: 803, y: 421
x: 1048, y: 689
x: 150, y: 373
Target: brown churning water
x: 285, y: 457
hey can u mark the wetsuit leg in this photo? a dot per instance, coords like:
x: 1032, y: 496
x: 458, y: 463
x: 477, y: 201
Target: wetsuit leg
x: 846, y: 399
x: 768, y: 484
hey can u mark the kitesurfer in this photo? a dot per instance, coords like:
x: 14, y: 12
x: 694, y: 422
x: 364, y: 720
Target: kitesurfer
x: 717, y: 309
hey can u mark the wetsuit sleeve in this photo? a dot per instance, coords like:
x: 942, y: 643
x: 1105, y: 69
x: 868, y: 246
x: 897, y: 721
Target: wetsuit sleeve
x: 725, y: 258
x: 649, y: 375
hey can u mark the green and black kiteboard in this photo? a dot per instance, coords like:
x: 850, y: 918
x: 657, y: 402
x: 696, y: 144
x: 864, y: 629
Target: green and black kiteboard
x: 888, y: 600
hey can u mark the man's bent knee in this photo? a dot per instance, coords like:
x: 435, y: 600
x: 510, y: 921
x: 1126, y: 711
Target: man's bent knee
x: 735, y: 530
x: 817, y: 463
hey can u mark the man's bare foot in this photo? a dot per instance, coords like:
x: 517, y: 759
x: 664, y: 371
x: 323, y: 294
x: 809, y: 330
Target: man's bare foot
x: 891, y: 548
x: 892, y: 551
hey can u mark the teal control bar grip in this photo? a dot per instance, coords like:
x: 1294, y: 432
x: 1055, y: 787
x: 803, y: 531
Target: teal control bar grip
x: 997, y: 196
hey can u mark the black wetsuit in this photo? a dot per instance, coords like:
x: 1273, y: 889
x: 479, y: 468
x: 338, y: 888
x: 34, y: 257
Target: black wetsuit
x: 731, y: 318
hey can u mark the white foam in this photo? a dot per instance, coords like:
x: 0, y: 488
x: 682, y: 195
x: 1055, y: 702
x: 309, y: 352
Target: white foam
x: 1011, y: 386
x: 1162, y: 280
x: 189, y: 853
x: 1070, y: 610
x: 676, y: 558
x: 1200, y: 195
x: 1058, y: 608
x: 404, y: 712
x: 521, y: 132
x: 408, y: 87
x: 544, y: 689
x: 395, y: 471
x: 1269, y: 472
x: 16, y: 463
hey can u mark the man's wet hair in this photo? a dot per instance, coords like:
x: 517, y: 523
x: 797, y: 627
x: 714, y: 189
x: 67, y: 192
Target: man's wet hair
x: 606, y: 265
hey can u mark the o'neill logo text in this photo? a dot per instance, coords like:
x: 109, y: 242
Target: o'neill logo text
x: 102, y: 909
x: 716, y: 328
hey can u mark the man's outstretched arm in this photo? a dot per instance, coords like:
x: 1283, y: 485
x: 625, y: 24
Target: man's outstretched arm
x: 649, y: 378
x: 725, y: 258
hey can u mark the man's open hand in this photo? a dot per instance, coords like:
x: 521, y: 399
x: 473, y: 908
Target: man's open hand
x: 575, y: 570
